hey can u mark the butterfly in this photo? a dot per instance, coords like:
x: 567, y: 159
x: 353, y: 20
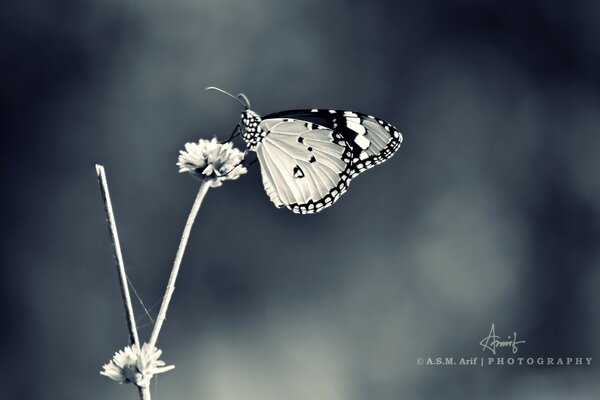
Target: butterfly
x: 308, y: 157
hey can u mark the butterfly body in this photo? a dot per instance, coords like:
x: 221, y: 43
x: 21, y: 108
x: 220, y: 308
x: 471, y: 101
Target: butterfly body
x: 251, y: 131
x: 309, y: 157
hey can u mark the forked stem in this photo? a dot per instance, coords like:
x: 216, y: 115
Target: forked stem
x: 177, y: 263
x: 144, y: 392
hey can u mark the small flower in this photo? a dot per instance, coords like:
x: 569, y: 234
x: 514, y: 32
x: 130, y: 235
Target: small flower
x: 209, y: 159
x: 132, y: 365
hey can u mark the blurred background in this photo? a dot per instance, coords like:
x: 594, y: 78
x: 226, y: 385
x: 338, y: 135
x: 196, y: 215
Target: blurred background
x: 489, y: 213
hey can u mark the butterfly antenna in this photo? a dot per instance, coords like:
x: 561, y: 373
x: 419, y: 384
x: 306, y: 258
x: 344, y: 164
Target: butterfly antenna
x: 251, y: 162
x: 245, y: 99
x: 243, y: 103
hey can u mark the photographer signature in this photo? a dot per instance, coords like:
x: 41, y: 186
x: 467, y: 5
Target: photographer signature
x: 491, y: 342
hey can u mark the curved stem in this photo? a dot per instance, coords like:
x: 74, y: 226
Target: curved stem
x: 177, y: 263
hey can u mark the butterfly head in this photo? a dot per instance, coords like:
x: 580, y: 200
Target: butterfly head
x: 250, y: 127
x: 250, y: 121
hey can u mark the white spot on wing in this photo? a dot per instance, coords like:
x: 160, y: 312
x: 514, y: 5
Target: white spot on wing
x: 362, y: 142
x: 356, y: 127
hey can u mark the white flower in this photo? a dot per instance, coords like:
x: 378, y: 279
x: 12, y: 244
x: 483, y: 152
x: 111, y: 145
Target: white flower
x: 134, y: 365
x: 209, y: 159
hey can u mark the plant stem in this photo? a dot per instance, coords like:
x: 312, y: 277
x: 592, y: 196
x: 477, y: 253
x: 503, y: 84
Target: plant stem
x: 144, y: 393
x: 176, y: 264
x: 112, y: 226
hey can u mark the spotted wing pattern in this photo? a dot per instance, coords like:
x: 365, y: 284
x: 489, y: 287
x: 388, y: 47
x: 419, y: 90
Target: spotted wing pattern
x: 372, y: 139
x: 305, y: 166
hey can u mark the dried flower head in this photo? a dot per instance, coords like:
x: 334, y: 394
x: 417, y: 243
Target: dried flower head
x: 209, y: 159
x: 135, y: 365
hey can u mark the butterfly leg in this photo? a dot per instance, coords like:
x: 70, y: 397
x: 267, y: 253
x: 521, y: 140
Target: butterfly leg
x: 252, y: 162
x: 240, y: 163
x: 236, y: 132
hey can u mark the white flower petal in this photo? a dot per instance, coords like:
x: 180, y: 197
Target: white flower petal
x: 136, y: 365
x: 209, y: 159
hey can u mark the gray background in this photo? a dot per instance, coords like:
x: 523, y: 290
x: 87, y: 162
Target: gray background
x: 490, y: 212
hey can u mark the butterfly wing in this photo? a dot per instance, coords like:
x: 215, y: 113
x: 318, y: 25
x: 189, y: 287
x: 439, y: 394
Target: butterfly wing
x: 305, y: 167
x: 372, y: 139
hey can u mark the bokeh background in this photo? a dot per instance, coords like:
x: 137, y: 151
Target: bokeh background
x: 489, y: 213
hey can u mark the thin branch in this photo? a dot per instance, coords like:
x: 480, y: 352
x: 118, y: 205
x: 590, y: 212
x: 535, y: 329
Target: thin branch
x: 176, y: 264
x: 112, y: 226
